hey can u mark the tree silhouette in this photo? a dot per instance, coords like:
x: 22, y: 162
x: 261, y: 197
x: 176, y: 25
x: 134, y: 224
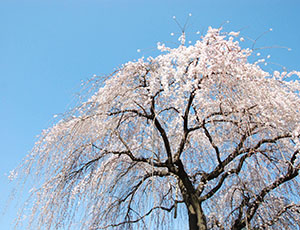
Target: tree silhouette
x: 197, y: 131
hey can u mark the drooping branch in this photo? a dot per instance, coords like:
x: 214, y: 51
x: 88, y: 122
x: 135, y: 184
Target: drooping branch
x: 276, y: 217
x: 267, y: 141
x: 131, y: 195
x: 220, y: 168
x: 196, y: 115
x: 209, y: 119
x: 89, y: 163
x: 142, y: 180
x: 239, y: 150
x: 291, y: 173
x: 225, y: 175
x: 168, y: 209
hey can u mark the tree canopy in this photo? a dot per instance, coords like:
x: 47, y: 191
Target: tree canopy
x: 198, y: 132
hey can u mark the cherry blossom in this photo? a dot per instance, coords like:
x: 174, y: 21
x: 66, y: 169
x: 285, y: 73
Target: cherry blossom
x: 196, y: 133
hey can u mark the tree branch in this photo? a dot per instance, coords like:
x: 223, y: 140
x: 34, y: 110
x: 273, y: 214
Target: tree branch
x: 185, y: 126
x: 207, y: 134
x: 279, y: 213
x: 220, y: 168
x: 162, y: 133
x: 140, y: 218
x: 254, y: 205
x: 225, y: 175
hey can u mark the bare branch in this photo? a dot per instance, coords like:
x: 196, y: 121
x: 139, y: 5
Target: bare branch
x: 254, y: 205
x: 162, y: 133
x: 140, y: 218
x: 207, y: 134
x: 185, y: 126
x: 276, y: 217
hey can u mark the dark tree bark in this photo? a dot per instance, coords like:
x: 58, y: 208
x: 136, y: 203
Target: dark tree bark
x: 197, y: 220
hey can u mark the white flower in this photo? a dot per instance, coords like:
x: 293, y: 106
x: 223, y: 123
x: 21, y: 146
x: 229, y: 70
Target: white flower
x: 235, y: 34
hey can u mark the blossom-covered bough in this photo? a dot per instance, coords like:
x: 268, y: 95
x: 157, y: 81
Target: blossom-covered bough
x: 198, y: 132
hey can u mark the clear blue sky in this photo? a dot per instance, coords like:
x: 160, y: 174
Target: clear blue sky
x: 47, y: 47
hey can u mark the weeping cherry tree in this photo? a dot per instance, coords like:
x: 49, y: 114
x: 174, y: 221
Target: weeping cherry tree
x: 197, y: 135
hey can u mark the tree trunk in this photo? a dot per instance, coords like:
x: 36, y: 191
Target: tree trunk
x: 197, y: 220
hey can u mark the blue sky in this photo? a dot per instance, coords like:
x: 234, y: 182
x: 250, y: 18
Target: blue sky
x: 47, y: 47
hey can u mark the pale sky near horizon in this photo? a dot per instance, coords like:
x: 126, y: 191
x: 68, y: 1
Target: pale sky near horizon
x: 48, y: 47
